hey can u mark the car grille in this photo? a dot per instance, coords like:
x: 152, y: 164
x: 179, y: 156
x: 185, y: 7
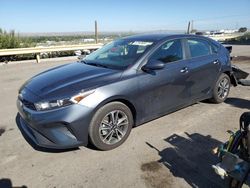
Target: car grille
x: 28, y: 104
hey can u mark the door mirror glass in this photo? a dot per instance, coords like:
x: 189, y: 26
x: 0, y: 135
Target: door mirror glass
x: 153, y: 65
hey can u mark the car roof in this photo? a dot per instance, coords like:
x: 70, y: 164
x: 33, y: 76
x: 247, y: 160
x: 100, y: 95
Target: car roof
x: 160, y: 36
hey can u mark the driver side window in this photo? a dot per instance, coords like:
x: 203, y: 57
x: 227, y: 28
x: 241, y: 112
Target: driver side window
x: 169, y: 52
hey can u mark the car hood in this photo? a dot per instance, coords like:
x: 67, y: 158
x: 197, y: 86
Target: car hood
x: 70, y: 79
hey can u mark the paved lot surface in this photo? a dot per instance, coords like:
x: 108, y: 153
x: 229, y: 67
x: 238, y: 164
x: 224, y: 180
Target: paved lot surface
x: 172, y: 151
x: 241, y: 50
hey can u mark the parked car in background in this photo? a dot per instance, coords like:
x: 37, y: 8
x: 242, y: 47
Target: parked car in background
x: 124, y: 84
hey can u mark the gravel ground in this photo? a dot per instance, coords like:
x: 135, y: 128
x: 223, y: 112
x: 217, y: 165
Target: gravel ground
x: 172, y: 151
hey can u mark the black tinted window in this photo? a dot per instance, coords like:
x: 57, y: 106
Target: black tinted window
x: 169, y: 52
x: 198, y: 47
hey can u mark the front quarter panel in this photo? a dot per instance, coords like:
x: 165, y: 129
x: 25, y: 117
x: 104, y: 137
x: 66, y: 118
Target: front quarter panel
x: 124, y: 89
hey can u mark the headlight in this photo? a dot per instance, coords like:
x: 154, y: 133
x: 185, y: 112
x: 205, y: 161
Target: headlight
x: 52, y: 104
x: 62, y: 102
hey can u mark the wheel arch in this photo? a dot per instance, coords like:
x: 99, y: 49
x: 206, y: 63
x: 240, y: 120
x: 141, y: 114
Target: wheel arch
x: 127, y: 102
x: 232, y: 78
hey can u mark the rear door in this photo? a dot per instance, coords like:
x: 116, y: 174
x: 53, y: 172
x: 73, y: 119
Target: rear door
x: 204, y: 67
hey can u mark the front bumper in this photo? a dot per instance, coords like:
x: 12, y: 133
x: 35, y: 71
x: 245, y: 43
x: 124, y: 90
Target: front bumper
x: 60, y: 128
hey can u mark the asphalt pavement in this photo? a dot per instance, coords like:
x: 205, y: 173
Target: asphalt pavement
x: 172, y: 151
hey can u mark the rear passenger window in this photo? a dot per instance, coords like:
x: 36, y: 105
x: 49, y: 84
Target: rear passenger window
x: 169, y: 52
x: 215, y: 48
x: 198, y: 47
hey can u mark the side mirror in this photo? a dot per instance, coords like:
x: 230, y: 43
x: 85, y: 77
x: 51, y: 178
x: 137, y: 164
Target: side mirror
x: 153, y: 65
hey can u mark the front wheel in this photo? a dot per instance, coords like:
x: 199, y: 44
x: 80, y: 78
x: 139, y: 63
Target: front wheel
x: 110, y: 126
x: 221, y: 89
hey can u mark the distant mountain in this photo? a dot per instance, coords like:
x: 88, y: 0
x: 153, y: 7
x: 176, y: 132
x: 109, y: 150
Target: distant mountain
x: 100, y: 33
x: 56, y: 33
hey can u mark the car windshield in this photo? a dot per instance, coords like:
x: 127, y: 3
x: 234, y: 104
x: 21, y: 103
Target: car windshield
x: 119, y: 54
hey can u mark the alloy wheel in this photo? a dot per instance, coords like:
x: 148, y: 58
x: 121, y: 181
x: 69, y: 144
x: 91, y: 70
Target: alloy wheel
x: 113, y: 127
x: 223, y: 88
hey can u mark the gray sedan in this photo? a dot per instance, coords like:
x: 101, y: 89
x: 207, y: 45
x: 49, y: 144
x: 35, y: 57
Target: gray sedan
x: 124, y: 84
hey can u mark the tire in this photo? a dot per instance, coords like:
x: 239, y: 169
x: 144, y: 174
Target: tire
x: 221, y: 89
x: 110, y: 126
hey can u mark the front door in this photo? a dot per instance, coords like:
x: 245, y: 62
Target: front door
x: 164, y: 90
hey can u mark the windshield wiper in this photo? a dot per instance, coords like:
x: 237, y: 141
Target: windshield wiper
x: 96, y: 64
x: 83, y: 61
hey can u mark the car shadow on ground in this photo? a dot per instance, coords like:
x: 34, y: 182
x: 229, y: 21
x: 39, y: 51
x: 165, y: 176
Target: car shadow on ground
x: 7, y: 183
x: 191, y: 158
x: 238, y: 102
x: 35, y: 146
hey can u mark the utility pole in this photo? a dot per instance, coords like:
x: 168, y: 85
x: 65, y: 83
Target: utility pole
x: 188, y: 29
x: 192, y: 25
x: 96, y: 33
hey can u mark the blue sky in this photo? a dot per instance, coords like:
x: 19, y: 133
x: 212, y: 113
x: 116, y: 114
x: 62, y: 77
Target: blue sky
x: 125, y: 15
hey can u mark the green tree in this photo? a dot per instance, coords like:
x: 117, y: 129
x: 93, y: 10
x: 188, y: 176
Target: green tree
x: 9, y: 40
x: 242, y: 30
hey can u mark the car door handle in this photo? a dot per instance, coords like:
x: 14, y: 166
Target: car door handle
x: 216, y: 62
x: 184, y: 70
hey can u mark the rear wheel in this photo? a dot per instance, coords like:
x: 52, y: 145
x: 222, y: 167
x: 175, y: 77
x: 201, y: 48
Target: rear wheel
x: 110, y: 126
x: 221, y: 89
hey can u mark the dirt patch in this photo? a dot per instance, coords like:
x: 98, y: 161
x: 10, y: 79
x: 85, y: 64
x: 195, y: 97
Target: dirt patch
x: 151, y: 166
x: 2, y: 130
x: 240, y: 58
x: 156, y: 176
